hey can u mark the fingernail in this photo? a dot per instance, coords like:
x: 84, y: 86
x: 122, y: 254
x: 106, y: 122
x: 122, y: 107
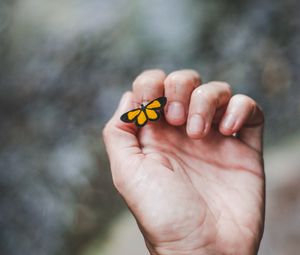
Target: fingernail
x: 196, y: 124
x: 229, y: 121
x: 176, y: 111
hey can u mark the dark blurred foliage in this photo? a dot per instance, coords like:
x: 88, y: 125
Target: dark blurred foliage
x: 63, y: 67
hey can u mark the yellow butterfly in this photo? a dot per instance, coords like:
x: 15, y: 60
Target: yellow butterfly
x: 150, y: 111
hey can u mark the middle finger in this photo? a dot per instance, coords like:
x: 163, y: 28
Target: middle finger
x: 178, y: 88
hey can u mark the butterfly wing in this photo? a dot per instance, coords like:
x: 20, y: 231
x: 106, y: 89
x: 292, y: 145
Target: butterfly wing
x: 141, y: 116
x: 157, y: 103
x: 138, y: 116
x: 152, y: 114
x: 152, y: 108
x: 131, y: 116
x: 141, y: 119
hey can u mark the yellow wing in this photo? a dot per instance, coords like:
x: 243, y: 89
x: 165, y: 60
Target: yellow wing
x: 131, y: 115
x: 157, y: 103
x: 151, y: 114
x: 150, y: 111
x: 141, y: 119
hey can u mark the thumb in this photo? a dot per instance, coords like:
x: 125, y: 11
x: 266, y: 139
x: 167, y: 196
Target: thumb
x: 120, y: 138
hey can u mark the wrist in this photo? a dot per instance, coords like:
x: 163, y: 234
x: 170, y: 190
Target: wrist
x: 163, y: 250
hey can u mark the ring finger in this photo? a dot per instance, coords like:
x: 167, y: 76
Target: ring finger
x: 205, y: 100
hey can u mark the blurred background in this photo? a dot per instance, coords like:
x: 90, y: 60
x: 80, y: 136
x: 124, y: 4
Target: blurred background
x: 63, y: 67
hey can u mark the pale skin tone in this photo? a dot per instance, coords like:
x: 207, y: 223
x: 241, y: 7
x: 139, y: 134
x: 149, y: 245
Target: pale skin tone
x: 194, y: 179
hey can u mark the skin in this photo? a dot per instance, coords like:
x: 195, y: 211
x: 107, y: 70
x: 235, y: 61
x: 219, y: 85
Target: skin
x: 194, y: 184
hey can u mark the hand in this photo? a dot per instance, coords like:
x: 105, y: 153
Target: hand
x: 194, y: 180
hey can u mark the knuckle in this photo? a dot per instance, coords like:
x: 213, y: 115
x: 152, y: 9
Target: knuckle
x: 195, y: 74
x: 157, y: 72
x: 223, y: 84
x: 226, y: 87
x: 179, y: 78
x: 145, y: 82
x: 197, y: 79
x: 205, y: 95
x: 244, y: 99
x: 149, y: 78
x: 142, y: 80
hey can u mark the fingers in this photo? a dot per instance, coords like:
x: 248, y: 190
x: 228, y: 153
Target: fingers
x: 244, y: 116
x: 178, y: 88
x: 238, y: 114
x: 148, y: 86
x: 205, y: 101
x: 200, y: 106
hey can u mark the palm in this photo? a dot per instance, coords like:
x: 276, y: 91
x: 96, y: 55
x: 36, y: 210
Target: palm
x: 196, y: 190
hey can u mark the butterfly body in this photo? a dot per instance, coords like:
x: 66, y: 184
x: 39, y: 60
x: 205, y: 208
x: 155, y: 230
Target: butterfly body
x: 143, y: 107
x: 150, y: 111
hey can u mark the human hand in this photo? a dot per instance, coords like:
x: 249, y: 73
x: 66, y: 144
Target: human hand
x: 193, y: 186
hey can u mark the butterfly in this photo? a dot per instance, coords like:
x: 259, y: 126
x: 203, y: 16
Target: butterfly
x: 150, y: 111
